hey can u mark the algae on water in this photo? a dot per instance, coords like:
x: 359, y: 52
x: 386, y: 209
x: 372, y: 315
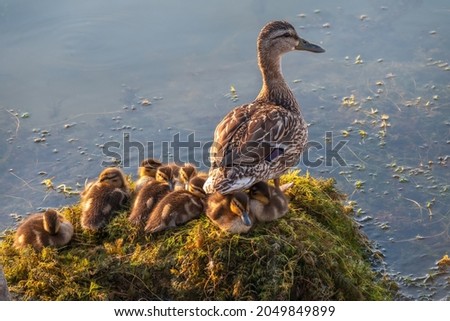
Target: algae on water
x: 315, y: 252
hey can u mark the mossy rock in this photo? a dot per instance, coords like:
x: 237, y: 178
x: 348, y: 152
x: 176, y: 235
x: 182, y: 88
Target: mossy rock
x: 315, y: 252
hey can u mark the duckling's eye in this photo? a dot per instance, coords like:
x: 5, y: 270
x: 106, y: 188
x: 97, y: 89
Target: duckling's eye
x: 284, y: 35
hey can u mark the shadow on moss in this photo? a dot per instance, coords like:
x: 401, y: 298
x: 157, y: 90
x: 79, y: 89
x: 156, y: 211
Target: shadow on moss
x: 315, y: 252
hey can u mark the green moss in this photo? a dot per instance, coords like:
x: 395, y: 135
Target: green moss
x: 315, y: 252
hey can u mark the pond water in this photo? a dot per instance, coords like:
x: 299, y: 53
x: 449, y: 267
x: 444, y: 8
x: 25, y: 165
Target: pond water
x: 76, y: 80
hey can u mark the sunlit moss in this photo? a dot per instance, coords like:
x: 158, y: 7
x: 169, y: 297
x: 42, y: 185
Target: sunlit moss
x: 315, y: 252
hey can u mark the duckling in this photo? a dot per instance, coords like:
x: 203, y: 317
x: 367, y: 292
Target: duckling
x: 178, y: 207
x: 104, y: 197
x: 146, y: 172
x: 185, y: 173
x: 150, y: 194
x: 268, y: 203
x: 44, y: 229
x: 230, y: 212
x: 263, y: 139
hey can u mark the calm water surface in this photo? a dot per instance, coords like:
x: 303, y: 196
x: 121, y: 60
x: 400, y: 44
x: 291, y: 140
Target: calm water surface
x: 76, y: 75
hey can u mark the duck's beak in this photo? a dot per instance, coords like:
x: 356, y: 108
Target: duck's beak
x: 246, y: 219
x: 171, y: 185
x: 307, y: 46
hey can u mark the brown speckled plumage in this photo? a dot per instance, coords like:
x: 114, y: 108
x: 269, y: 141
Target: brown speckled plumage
x: 263, y: 139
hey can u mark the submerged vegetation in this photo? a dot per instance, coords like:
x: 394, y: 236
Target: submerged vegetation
x: 315, y: 252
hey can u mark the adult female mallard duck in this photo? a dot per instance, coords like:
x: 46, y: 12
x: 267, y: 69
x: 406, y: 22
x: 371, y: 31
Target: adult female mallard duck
x: 230, y: 212
x: 146, y: 172
x: 268, y: 203
x: 150, y: 194
x: 261, y: 140
x: 178, y: 207
x: 102, y: 198
x: 44, y: 229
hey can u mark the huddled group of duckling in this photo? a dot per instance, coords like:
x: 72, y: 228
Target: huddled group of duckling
x: 253, y: 143
x: 165, y: 196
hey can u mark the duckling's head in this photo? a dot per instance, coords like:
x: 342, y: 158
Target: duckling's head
x: 164, y: 174
x: 148, y: 167
x: 278, y: 37
x: 52, y: 221
x: 239, y: 205
x: 112, y: 176
x: 195, y: 186
x: 186, y: 173
x: 261, y: 192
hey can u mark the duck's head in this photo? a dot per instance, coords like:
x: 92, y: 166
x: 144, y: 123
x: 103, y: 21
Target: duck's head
x: 195, y: 186
x: 261, y: 192
x: 278, y: 37
x: 52, y: 221
x: 112, y: 176
x: 239, y: 205
x: 164, y: 174
x: 187, y: 172
x: 148, y: 167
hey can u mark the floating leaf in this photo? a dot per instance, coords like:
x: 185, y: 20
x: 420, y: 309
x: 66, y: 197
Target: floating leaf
x: 349, y: 101
x: 444, y: 261
x: 358, y: 60
x: 359, y: 184
x: 145, y: 102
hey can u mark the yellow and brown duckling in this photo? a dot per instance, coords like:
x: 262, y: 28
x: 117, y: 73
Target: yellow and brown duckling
x: 231, y: 212
x: 150, y: 194
x: 185, y: 174
x: 268, y: 203
x: 44, y: 229
x: 263, y: 139
x: 104, y: 197
x: 178, y: 207
x: 146, y: 172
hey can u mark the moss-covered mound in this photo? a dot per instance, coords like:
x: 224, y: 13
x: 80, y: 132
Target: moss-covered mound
x: 315, y: 252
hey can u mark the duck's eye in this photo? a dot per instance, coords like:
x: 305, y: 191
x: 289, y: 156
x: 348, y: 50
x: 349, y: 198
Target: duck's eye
x: 283, y: 35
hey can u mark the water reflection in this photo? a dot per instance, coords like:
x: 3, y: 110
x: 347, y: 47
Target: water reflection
x: 81, y: 71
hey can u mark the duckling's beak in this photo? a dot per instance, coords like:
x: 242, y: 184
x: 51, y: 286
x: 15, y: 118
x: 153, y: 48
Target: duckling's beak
x: 246, y: 219
x: 307, y: 46
x: 171, y: 185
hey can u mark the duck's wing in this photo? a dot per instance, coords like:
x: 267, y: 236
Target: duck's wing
x: 251, y: 134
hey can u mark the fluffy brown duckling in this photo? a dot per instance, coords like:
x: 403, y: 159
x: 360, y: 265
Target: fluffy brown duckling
x: 146, y: 172
x: 44, y: 229
x: 268, y: 203
x: 185, y: 174
x: 178, y: 207
x: 150, y: 194
x: 230, y: 212
x: 104, y: 197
